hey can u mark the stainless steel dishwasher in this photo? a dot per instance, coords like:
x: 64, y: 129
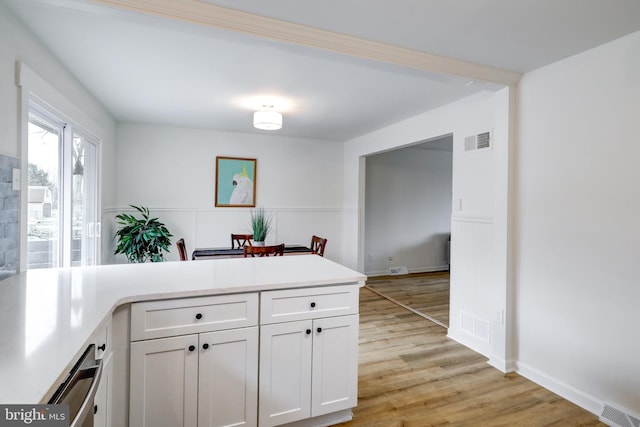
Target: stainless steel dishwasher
x: 79, y: 389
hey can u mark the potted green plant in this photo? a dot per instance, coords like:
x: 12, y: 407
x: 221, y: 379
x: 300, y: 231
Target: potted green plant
x: 260, y: 224
x: 142, y: 239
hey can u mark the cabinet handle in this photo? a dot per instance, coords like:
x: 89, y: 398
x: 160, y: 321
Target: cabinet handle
x: 102, y: 347
x: 95, y: 409
x: 192, y: 347
x: 205, y: 346
x: 313, y: 304
x: 199, y: 316
x: 319, y: 330
x: 308, y: 331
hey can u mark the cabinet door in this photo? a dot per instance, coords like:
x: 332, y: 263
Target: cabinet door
x: 228, y: 378
x: 335, y: 364
x: 102, y: 399
x: 285, y: 372
x: 164, y: 382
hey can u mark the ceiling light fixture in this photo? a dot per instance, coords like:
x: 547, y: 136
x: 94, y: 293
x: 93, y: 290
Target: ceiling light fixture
x: 267, y: 119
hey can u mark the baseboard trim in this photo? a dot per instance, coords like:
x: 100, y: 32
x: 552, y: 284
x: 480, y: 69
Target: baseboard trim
x: 503, y: 365
x: 378, y: 273
x: 324, y: 420
x: 469, y: 341
x: 572, y: 394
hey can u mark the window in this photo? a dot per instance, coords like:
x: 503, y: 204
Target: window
x: 62, y: 215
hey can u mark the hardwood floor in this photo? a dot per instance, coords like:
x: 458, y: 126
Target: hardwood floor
x: 426, y: 293
x: 412, y: 375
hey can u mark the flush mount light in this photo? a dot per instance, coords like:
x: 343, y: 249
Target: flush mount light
x: 267, y: 119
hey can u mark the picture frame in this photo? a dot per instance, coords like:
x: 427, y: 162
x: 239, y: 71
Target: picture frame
x: 235, y: 182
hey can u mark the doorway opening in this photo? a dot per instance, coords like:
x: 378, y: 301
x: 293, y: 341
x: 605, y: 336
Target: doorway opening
x: 408, y: 200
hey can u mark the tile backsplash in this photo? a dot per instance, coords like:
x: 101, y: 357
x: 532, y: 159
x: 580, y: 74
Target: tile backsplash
x: 9, y: 217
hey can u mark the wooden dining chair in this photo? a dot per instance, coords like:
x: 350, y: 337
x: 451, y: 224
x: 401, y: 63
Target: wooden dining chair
x: 260, y: 251
x: 182, y: 250
x: 240, y: 240
x: 317, y: 245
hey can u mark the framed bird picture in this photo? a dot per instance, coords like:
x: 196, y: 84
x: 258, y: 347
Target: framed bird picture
x: 235, y: 182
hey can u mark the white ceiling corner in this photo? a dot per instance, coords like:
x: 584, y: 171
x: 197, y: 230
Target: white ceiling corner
x: 348, y: 67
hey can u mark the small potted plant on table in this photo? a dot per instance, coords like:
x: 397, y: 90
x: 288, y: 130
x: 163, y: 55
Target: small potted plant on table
x: 260, y: 224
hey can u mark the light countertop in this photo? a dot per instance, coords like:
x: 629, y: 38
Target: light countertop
x: 48, y: 316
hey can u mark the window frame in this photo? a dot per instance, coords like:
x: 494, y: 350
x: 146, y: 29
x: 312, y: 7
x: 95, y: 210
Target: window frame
x: 35, y: 92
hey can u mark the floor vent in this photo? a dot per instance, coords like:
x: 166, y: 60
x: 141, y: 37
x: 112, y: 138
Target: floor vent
x: 617, y: 418
x: 396, y: 271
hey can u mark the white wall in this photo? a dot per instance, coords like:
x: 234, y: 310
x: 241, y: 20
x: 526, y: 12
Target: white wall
x: 408, y: 209
x: 462, y: 118
x: 577, y: 225
x: 172, y: 171
x: 478, y: 262
x: 18, y: 44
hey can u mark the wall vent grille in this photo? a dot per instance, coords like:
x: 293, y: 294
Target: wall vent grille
x: 481, y: 141
x: 396, y: 271
x: 475, y: 326
x: 615, y: 417
x: 484, y: 140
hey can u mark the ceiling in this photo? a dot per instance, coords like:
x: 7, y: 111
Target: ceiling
x: 337, y: 69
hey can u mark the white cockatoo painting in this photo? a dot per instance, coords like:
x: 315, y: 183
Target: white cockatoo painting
x: 242, y: 189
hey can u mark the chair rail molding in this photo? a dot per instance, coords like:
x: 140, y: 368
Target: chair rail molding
x: 472, y: 218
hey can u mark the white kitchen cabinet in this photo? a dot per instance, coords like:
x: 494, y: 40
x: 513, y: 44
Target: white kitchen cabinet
x: 206, y: 379
x: 335, y: 364
x: 285, y: 372
x: 289, y: 305
x: 308, y: 368
x: 102, y: 341
x: 164, y: 382
x: 102, y: 399
x: 205, y: 361
x: 228, y: 378
x: 168, y: 318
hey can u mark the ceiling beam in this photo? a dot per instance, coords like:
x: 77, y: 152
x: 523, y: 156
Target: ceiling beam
x: 207, y: 14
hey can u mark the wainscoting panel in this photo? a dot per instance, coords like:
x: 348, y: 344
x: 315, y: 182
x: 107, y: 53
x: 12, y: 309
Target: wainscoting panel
x: 298, y: 225
x: 351, y: 225
x: 472, y: 282
x: 212, y: 227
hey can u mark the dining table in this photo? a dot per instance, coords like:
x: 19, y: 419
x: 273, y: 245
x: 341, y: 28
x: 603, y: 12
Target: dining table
x: 205, y: 253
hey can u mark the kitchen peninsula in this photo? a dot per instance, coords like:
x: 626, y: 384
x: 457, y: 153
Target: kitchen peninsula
x: 48, y: 317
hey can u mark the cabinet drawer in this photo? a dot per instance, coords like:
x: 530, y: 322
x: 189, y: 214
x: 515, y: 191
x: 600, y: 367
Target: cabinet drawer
x: 102, y: 341
x: 156, y: 319
x: 308, y: 303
